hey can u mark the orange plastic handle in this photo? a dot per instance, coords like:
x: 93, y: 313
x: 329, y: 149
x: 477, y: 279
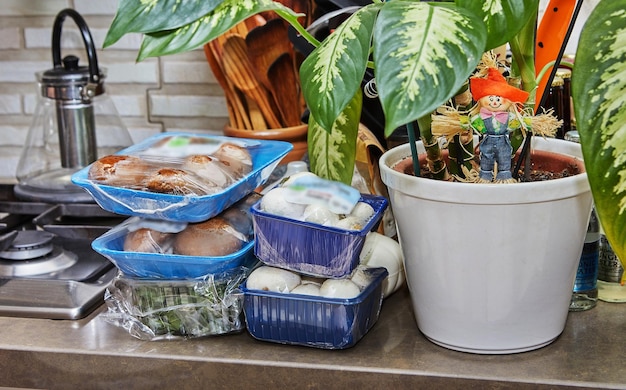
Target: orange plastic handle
x: 550, y: 36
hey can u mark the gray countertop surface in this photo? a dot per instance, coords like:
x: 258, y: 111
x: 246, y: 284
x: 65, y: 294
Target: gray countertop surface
x: 91, y: 353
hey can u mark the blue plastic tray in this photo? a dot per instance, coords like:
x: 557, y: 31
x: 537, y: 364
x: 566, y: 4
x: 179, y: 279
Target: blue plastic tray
x: 185, y: 208
x: 310, y: 248
x: 313, y: 321
x: 166, y: 266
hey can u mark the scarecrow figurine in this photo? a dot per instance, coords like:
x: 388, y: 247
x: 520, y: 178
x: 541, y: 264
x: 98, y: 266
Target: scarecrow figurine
x: 496, y: 118
x: 498, y: 112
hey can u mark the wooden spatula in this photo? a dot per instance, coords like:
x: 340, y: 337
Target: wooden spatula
x: 236, y: 111
x: 264, y: 44
x: 238, y: 69
x: 285, y: 81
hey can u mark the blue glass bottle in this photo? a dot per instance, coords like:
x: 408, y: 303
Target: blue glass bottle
x: 585, y: 293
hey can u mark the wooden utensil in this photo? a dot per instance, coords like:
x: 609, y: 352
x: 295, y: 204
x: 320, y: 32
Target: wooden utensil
x: 236, y: 111
x: 254, y: 112
x: 301, y: 6
x: 285, y: 81
x: 238, y: 69
x: 252, y: 116
x: 264, y: 44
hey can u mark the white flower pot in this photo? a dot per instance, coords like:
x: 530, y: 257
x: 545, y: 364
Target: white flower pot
x: 490, y: 267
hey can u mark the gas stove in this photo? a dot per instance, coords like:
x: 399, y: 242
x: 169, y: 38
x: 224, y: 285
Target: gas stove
x: 47, y: 266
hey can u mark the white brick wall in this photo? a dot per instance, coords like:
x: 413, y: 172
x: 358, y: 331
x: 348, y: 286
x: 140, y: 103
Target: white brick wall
x: 170, y: 93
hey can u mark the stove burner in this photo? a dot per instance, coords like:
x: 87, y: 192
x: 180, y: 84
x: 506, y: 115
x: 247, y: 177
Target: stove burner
x: 49, y: 269
x: 28, y: 245
x: 55, y: 260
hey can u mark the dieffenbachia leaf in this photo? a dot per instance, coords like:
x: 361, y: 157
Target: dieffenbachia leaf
x: 424, y: 52
x: 332, y: 152
x: 333, y: 72
x: 207, y: 27
x: 599, y: 93
x: 503, y: 18
x: 145, y: 16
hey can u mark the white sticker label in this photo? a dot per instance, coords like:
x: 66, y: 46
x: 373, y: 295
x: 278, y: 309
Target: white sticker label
x: 335, y: 196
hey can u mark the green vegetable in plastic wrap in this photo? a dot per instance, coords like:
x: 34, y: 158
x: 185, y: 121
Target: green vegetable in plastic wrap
x: 157, y: 309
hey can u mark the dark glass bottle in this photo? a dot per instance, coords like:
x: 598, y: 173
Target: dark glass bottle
x: 566, y: 75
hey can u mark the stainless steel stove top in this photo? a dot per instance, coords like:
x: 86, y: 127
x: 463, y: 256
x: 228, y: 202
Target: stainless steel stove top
x: 47, y: 266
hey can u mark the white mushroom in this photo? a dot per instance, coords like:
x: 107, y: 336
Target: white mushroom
x: 274, y: 279
x: 307, y: 289
x: 274, y: 202
x: 363, y: 212
x: 382, y: 251
x: 349, y: 223
x: 339, y: 288
x: 319, y: 214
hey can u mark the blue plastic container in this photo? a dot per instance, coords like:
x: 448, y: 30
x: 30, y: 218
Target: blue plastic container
x: 311, y: 248
x: 312, y: 321
x: 185, y: 208
x: 166, y: 266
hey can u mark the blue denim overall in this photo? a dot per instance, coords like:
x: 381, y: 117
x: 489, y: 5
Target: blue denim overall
x: 495, y: 147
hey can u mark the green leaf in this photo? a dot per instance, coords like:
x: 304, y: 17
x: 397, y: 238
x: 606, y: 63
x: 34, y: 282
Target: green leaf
x: 142, y: 16
x: 503, y: 18
x: 333, y: 72
x: 598, y: 90
x: 332, y: 153
x: 208, y: 27
x: 424, y: 53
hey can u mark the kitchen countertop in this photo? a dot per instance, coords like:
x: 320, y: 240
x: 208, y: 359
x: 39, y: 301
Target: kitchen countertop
x: 91, y: 353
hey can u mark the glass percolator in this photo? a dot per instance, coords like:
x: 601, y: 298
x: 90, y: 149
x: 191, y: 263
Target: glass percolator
x: 74, y: 124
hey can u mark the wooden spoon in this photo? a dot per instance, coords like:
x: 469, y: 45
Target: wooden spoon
x: 236, y: 111
x: 238, y: 69
x: 284, y: 78
x: 252, y: 117
x: 264, y: 44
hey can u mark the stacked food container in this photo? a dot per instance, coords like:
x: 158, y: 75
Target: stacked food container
x: 188, y: 243
x: 311, y: 289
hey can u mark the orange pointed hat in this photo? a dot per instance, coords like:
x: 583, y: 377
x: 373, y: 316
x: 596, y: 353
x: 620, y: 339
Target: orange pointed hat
x: 495, y: 84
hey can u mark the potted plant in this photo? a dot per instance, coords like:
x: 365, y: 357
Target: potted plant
x: 422, y: 54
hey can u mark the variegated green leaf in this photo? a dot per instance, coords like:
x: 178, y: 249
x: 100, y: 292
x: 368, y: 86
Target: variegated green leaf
x: 333, y: 72
x: 599, y: 93
x: 207, y: 28
x: 144, y: 16
x: 332, y: 153
x: 424, y: 53
x: 503, y: 18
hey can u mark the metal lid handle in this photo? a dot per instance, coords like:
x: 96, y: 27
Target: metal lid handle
x: 94, y: 74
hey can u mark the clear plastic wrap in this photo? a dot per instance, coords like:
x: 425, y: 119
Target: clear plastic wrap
x: 146, y: 248
x: 175, y: 309
x: 179, y: 176
x: 312, y: 248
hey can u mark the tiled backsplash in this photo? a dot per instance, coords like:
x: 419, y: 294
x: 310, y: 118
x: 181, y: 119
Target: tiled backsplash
x: 175, y: 92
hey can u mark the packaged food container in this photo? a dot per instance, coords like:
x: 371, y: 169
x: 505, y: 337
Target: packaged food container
x: 163, y: 163
x: 311, y: 248
x: 167, y: 266
x: 171, y: 309
x: 173, y: 250
x: 327, y: 323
